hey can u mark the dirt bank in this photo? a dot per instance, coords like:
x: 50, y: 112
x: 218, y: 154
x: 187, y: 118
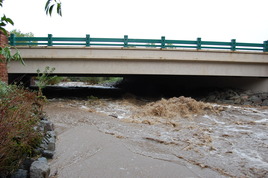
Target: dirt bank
x: 111, y: 138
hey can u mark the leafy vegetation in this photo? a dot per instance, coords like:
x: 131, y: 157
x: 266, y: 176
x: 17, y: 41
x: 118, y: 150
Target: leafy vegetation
x: 18, y: 33
x: 56, y: 79
x: 6, y: 53
x: 50, y: 6
x: 3, y: 22
x: 19, y: 114
x: 43, y: 79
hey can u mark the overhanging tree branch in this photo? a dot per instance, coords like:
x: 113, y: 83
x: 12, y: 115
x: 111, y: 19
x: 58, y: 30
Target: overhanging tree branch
x: 50, y: 4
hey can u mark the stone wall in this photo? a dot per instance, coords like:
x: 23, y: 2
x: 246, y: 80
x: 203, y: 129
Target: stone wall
x: 3, y: 65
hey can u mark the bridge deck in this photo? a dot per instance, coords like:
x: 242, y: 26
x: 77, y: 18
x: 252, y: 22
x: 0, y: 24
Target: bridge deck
x: 146, y: 61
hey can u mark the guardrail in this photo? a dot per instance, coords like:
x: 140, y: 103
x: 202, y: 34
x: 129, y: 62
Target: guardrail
x: 128, y: 43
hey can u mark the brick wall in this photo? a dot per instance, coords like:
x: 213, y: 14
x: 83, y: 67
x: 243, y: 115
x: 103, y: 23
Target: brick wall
x: 3, y: 65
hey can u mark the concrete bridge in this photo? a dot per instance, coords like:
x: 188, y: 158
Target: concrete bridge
x: 206, y: 61
x: 134, y: 61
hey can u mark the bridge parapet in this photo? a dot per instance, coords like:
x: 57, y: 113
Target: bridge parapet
x: 127, y: 42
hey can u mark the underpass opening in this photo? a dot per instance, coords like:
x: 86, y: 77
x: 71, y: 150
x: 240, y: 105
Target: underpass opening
x: 154, y: 86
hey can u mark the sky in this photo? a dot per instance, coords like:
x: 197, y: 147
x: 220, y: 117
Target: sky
x: 212, y: 20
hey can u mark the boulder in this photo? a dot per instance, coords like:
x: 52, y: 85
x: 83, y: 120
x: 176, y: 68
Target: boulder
x: 265, y: 103
x: 40, y: 168
x: 51, y: 134
x: 48, y: 154
x: 255, y: 99
x: 51, y: 144
x: 47, y: 125
x: 20, y: 173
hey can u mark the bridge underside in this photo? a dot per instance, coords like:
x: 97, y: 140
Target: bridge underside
x: 245, y: 69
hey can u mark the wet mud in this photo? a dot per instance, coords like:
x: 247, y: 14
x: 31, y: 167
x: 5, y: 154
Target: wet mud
x: 231, y: 141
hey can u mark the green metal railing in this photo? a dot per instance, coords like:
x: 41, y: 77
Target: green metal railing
x: 128, y: 42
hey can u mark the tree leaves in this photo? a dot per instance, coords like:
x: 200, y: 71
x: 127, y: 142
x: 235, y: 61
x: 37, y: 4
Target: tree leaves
x: 6, y: 52
x: 59, y: 9
x: 50, y: 4
x: 7, y: 20
x: 3, y: 22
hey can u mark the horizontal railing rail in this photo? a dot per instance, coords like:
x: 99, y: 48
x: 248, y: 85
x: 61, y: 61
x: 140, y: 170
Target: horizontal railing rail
x: 134, y: 43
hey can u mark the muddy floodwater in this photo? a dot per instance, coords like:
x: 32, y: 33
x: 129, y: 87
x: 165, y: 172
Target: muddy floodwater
x: 222, y: 140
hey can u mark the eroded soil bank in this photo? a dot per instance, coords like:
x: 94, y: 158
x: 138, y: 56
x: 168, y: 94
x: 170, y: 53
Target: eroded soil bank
x: 167, y: 138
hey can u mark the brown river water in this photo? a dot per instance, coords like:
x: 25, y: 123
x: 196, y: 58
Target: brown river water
x: 222, y: 140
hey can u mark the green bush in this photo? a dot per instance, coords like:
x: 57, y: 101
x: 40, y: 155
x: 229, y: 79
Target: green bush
x: 4, y: 89
x: 19, y: 114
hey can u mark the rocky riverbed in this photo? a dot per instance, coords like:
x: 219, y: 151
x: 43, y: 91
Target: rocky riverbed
x: 198, y: 139
x: 238, y: 97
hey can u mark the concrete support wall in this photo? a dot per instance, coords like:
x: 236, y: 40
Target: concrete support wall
x: 3, y: 65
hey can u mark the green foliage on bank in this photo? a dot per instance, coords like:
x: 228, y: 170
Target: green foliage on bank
x: 20, y: 112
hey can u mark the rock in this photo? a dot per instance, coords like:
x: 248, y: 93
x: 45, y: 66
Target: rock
x: 264, y: 96
x: 255, y: 99
x: 20, y: 173
x: 40, y: 169
x: 44, y: 145
x: 248, y: 92
x: 244, y: 97
x: 211, y: 98
x: 51, y: 134
x: 48, y: 154
x: 47, y: 125
x: 237, y: 101
x: 38, y: 151
x: 51, y: 144
x: 265, y: 103
x: 228, y: 101
x: 247, y: 103
x: 26, y: 164
x: 42, y: 159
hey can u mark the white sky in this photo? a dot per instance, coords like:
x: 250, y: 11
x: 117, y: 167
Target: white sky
x: 212, y: 20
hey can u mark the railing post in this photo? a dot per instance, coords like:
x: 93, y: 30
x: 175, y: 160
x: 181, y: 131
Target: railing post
x: 49, y: 40
x: 126, y: 41
x: 12, y: 39
x: 198, y: 44
x: 87, y: 40
x: 265, y: 46
x: 233, y: 45
x: 163, y: 42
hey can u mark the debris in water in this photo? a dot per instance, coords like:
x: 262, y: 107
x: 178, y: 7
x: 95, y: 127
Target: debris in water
x: 183, y: 107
